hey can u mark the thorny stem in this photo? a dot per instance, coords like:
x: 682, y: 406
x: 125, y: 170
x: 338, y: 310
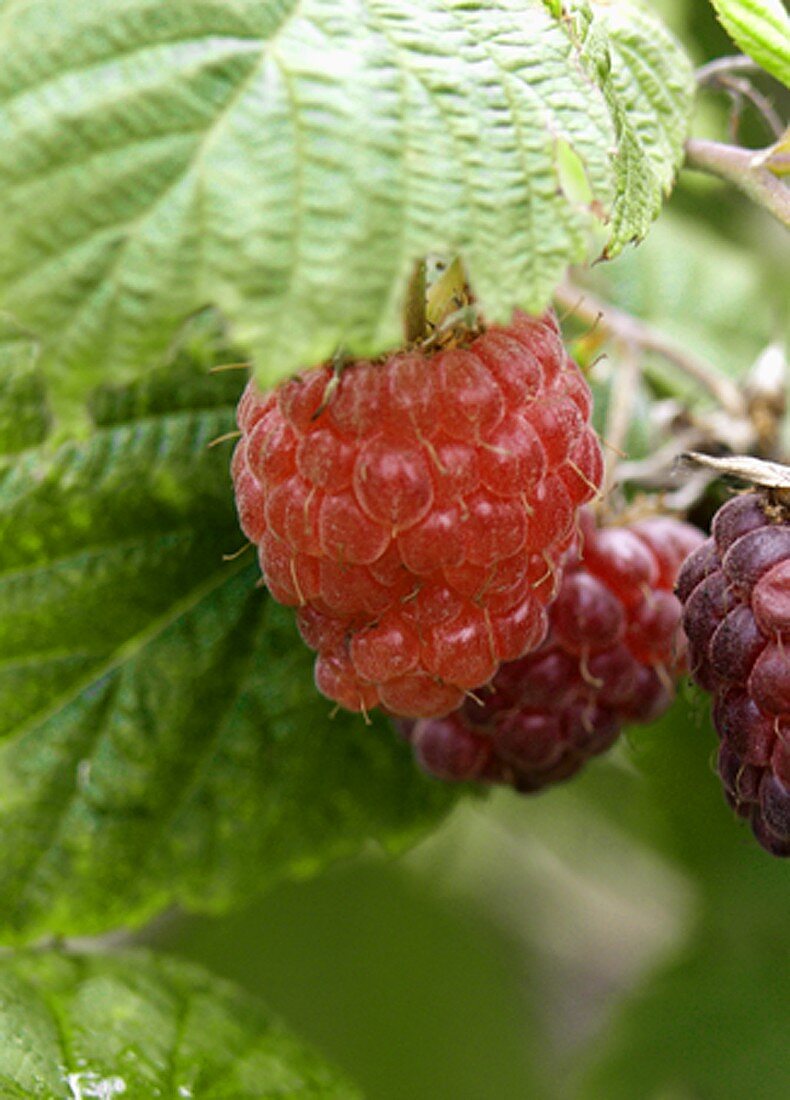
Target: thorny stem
x: 747, y: 169
x: 636, y: 334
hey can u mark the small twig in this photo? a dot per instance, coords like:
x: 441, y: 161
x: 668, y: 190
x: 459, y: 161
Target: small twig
x: 693, y: 489
x: 734, y: 121
x: 652, y: 469
x: 722, y: 66
x: 629, y: 330
x: 761, y: 103
x: 725, y: 74
x: 746, y: 168
x: 620, y: 413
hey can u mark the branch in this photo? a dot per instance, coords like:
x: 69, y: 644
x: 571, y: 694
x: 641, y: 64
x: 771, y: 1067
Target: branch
x: 723, y: 66
x: 638, y: 334
x: 747, y: 169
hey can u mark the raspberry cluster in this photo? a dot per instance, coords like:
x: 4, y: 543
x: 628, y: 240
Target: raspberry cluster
x: 415, y: 509
x: 613, y: 651
x: 736, y: 594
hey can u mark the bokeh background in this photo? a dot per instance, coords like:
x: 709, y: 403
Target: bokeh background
x: 618, y: 937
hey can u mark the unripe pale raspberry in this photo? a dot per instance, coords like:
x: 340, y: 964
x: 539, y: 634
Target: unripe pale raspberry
x: 416, y: 509
x: 736, y: 594
x: 612, y: 654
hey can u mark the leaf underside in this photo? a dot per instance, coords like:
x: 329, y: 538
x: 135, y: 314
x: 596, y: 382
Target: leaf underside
x: 286, y: 163
x: 648, y: 88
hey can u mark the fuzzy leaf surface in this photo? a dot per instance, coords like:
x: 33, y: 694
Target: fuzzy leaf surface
x: 161, y: 739
x: 138, y: 1026
x: 24, y: 417
x: 648, y: 85
x: 286, y: 162
x: 762, y: 30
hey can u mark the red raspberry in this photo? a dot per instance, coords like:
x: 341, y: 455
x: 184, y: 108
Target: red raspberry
x: 613, y: 650
x: 416, y: 509
x: 736, y: 594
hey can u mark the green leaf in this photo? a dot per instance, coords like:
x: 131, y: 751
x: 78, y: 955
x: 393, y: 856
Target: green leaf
x: 648, y: 84
x: 24, y: 421
x: 762, y: 30
x: 288, y: 162
x: 139, y: 1026
x: 161, y: 739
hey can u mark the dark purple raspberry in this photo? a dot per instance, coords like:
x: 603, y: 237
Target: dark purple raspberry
x: 736, y: 594
x: 612, y: 654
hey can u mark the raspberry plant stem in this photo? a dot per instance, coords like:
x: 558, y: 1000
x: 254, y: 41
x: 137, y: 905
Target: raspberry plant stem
x: 631, y: 332
x: 747, y: 169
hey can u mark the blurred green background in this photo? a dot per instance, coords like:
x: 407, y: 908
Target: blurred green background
x: 619, y: 937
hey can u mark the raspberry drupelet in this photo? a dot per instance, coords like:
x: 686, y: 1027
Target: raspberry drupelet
x: 736, y: 594
x: 415, y: 509
x: 612, y: 654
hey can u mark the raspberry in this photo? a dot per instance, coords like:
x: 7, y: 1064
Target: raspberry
x: 415, y: 509
x: 736, y: 594
x: 613, y: 650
